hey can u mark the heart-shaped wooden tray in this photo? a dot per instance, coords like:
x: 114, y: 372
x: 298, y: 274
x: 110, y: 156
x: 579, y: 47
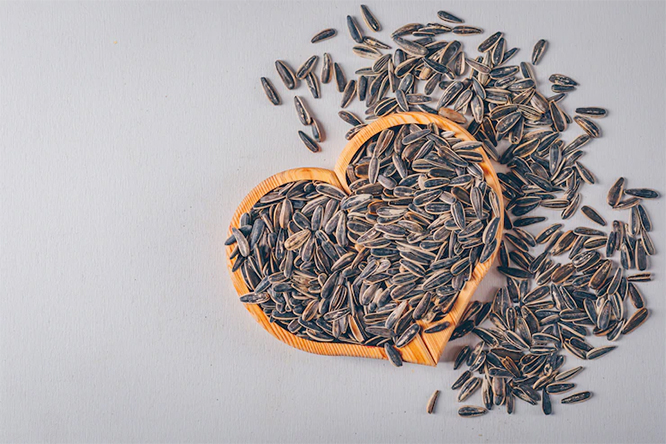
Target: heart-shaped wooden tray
x: 424, y: 349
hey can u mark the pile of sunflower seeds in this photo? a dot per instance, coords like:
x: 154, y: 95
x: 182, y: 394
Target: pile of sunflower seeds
x: 562, y: 285
x: 549, y: 307
x: 364, y: 268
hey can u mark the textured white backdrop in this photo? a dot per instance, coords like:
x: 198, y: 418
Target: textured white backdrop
x: 129, y: 132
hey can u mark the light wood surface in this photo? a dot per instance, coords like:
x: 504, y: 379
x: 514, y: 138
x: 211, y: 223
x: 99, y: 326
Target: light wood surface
x: 425, y: 349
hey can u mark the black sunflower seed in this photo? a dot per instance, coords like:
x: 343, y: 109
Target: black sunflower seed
x: 309, y: 142
x: 370, y: 19
x: 323, y: 35
x: 354, y: 30
x: 538, y: 51
x: 269, y: 89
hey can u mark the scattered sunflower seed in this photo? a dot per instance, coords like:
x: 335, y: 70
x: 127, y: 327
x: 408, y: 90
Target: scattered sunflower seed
x: 576, y: 397
x: 354, y: 30
x: 643, y: 193
x: 615, y: 192
x: 313, y: 85
x: 538, y: 51
x: 593, y: 215
x: 324, y: 35
x: 327, y: 68
x: 448, y: 17
x: 591, y: 128
x: 286, y: 74
x: 471, y: 410
x: 432, y: 401
x: 370, y: 19
x: 306, y: 67
x: 270, y: 91
x: 309, y: 142
x: 592, y: 111
x: 302, y: 112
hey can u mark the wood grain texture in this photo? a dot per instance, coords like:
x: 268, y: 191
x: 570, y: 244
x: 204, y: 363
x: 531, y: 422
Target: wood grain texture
x: 424, y: 349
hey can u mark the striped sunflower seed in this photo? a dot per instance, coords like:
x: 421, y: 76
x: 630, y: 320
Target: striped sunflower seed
x: 370, y: 19
x: 270, y: 91
x: 286, y: 74
x: 538, y: 51
x: 324, y: 35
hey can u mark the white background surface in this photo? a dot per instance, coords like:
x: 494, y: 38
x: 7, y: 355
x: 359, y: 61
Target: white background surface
x: 129, y: 132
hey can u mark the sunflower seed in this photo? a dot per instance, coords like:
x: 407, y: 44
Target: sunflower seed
x: 615, y: 192
x: 270, y: 91
x: 643, y: 193
x: 350, y: 118
x: 326, y: 68
x: 561, y: 79
x: 546, y: 406
x: 537, y: 52
x: 478, y: 66
x: 370, y: 19
x: 448, y: 17
x: 366, y: 52
x: 490, y: 42
x: 559, y: 121
x: 591, y: 128
x: 313, y: 85
x: 462, y: 379
x: 306, y: 67
x: 565, y: 376
x: 309, y: 143
x: 432, y: 401
x: 324, y: 35
x: 354, y: 30
x: 241, y: 241
x: 410, y: 47
x: 576, y: 397
x: 561, y: 89
x: 468, y: 388
x: 471, y: 410
x: 559, y: 387
x: 461, y: 357
x: 439, y: 327
x: 340, y: 78
x: 599, y: 351
x: 640, y: 277
x: 466, y: 30
x: 254, y: 298
x: 301, y: 111
x: 408, y: 335
x: 636, y: 320
x: 409, y: 28
x: 317, y: 132
x: 286, y: 74
x: 593, y: 215
x: 393, y: 355
x: 592, y: 112
x: 515, y: 273
x: 348, y: 94
x: 644, y: 217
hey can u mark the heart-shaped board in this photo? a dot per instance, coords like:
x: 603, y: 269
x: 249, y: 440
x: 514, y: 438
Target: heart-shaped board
x: 425, y: 348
